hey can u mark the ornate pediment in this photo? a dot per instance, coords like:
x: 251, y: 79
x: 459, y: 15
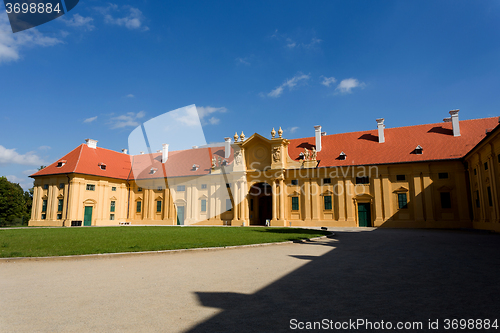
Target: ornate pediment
x: 400, y: 189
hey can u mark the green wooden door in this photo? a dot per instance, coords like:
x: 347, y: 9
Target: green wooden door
x: 364, y: 215
x: 87, y: 218
x: 180, y: 215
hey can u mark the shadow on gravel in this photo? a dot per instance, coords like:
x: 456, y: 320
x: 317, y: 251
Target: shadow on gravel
x: 388, y: 274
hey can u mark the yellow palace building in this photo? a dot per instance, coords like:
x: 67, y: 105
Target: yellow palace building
x: 442, y: 175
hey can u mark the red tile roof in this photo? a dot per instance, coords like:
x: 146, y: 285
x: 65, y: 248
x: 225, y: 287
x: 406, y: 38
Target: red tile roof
x: 363, y: 148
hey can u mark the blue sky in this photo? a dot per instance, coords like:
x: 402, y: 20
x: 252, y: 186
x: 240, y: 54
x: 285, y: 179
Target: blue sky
x: 104, y: 68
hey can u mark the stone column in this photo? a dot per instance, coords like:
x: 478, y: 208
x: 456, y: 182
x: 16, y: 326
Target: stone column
x: 282, y: 201
x: 244, y: 202
x: 274, y: 199
x: 429, y: 208
x: 315, y: 204
x: 418, y: 205
x: 387, y: 196
x: 194, y: 202
x: 211, y: 200
x: 493, y: 187
x: 235, y: 192
x: 36, y: 202
x: 349, y: 202
x: 377, y: 185
x: 189, y: 204
x: 307, y: 199
x: 340, y: 197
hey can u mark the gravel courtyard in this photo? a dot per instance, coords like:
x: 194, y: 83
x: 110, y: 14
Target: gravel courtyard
x: 376, y: 275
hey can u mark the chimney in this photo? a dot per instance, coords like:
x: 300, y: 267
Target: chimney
x: 317, y: 134
x: 164, y: 153
x: 91, y: 143
x: 227, y: 147
x: 124, y: 151
x: 454, y: 122
x: 380, y: 127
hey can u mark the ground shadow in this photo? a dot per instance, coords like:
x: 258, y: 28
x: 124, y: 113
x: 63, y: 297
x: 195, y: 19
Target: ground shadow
x: 388, y: 274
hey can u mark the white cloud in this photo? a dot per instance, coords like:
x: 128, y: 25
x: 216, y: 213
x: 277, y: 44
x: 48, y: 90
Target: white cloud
x: 24, y: 182
x: 345, y: 86
x: 292, y: 43
x: 44, y: 148
x: 11, y: 44
x: 292, y: 130
x: 290, y: 83
x: 127, y: 120
x: 89, y: 120
x: 11, y: 156
x: 327, y: 81
x: 205, y: 111
x: 133, y: 20
x: 243, y: 61
x: 80, y: 22
x: 130, y: 96
x: 29, y: 172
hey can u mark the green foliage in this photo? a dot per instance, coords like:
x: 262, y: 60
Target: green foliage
x: 15, y: 204
x: 41, y: 242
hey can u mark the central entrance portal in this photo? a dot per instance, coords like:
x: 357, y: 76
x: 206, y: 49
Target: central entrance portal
x: 261, y: 203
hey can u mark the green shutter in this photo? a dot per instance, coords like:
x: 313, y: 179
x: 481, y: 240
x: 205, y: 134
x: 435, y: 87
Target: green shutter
x: 139, y: 206
x: 60, y: 205
x: 44, y: 206
x: 158, y: 206
x: 203, y: 205
x: 295, y: 203
x: 328, y: 202
x: 112, y: 208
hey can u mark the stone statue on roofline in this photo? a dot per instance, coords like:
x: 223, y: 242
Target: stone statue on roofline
x: 306, y: 154
x: 313, y: 154
x: 214, y: 162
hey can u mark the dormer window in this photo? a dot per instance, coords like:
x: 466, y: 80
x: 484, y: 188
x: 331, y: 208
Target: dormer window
x: 152, y: 171
x: 102, y: 166
x: 419, y: 150
x: 301, y: 156
x: 342, y: 156
x: 61, y: 163
x: 195, y: 167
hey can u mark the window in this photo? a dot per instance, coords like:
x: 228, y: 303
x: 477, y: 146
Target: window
x: 139, y: 189
x: 60, y: 164
x: 44, y: 216
x: 113, y: 189
x: 477, y: 199
x: 328, y: 202
x: 475, y: 172
x: 498, y: 158
x: 203, y: 205
x: 443, y: 175
x: 419, y: 150
x: 90, y: 187
x: 485, y: 165
x: 61, y: 185
x: 203, y: 186
x: 362, y: 180
x: 295, y: 182
x: 327, y: 181
x: 229, y: 206
x: 402, y: 201
x: 490, y: 199
x: 227, y: 185
x: 295, y: 203
x: 158, y: 206
x: 342, y: 156
x: 159, y: 188
x: 44, y: 206
x: 112, y: 208
x: 445, y: 200
x: 181, y: 188
x: 251, y: 205
x: 59, y: 216
x: 60, y: 205
x: 46, y: 186
x: 139, y: 207
x: 400, y: 178
x: 103, y: 166
x: 112, y: 217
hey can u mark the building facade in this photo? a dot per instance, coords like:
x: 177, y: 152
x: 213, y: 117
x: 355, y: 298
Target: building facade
x: 425, y: 176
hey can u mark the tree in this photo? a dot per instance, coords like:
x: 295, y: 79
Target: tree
x: 13, y: 203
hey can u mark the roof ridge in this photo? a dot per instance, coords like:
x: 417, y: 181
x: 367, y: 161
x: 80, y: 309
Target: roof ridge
x: 390, y: 128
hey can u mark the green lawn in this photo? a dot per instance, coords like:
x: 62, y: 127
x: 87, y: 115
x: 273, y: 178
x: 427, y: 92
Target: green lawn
x: 42, y: 242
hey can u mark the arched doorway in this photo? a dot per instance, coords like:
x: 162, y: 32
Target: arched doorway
x: 261, y: 203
